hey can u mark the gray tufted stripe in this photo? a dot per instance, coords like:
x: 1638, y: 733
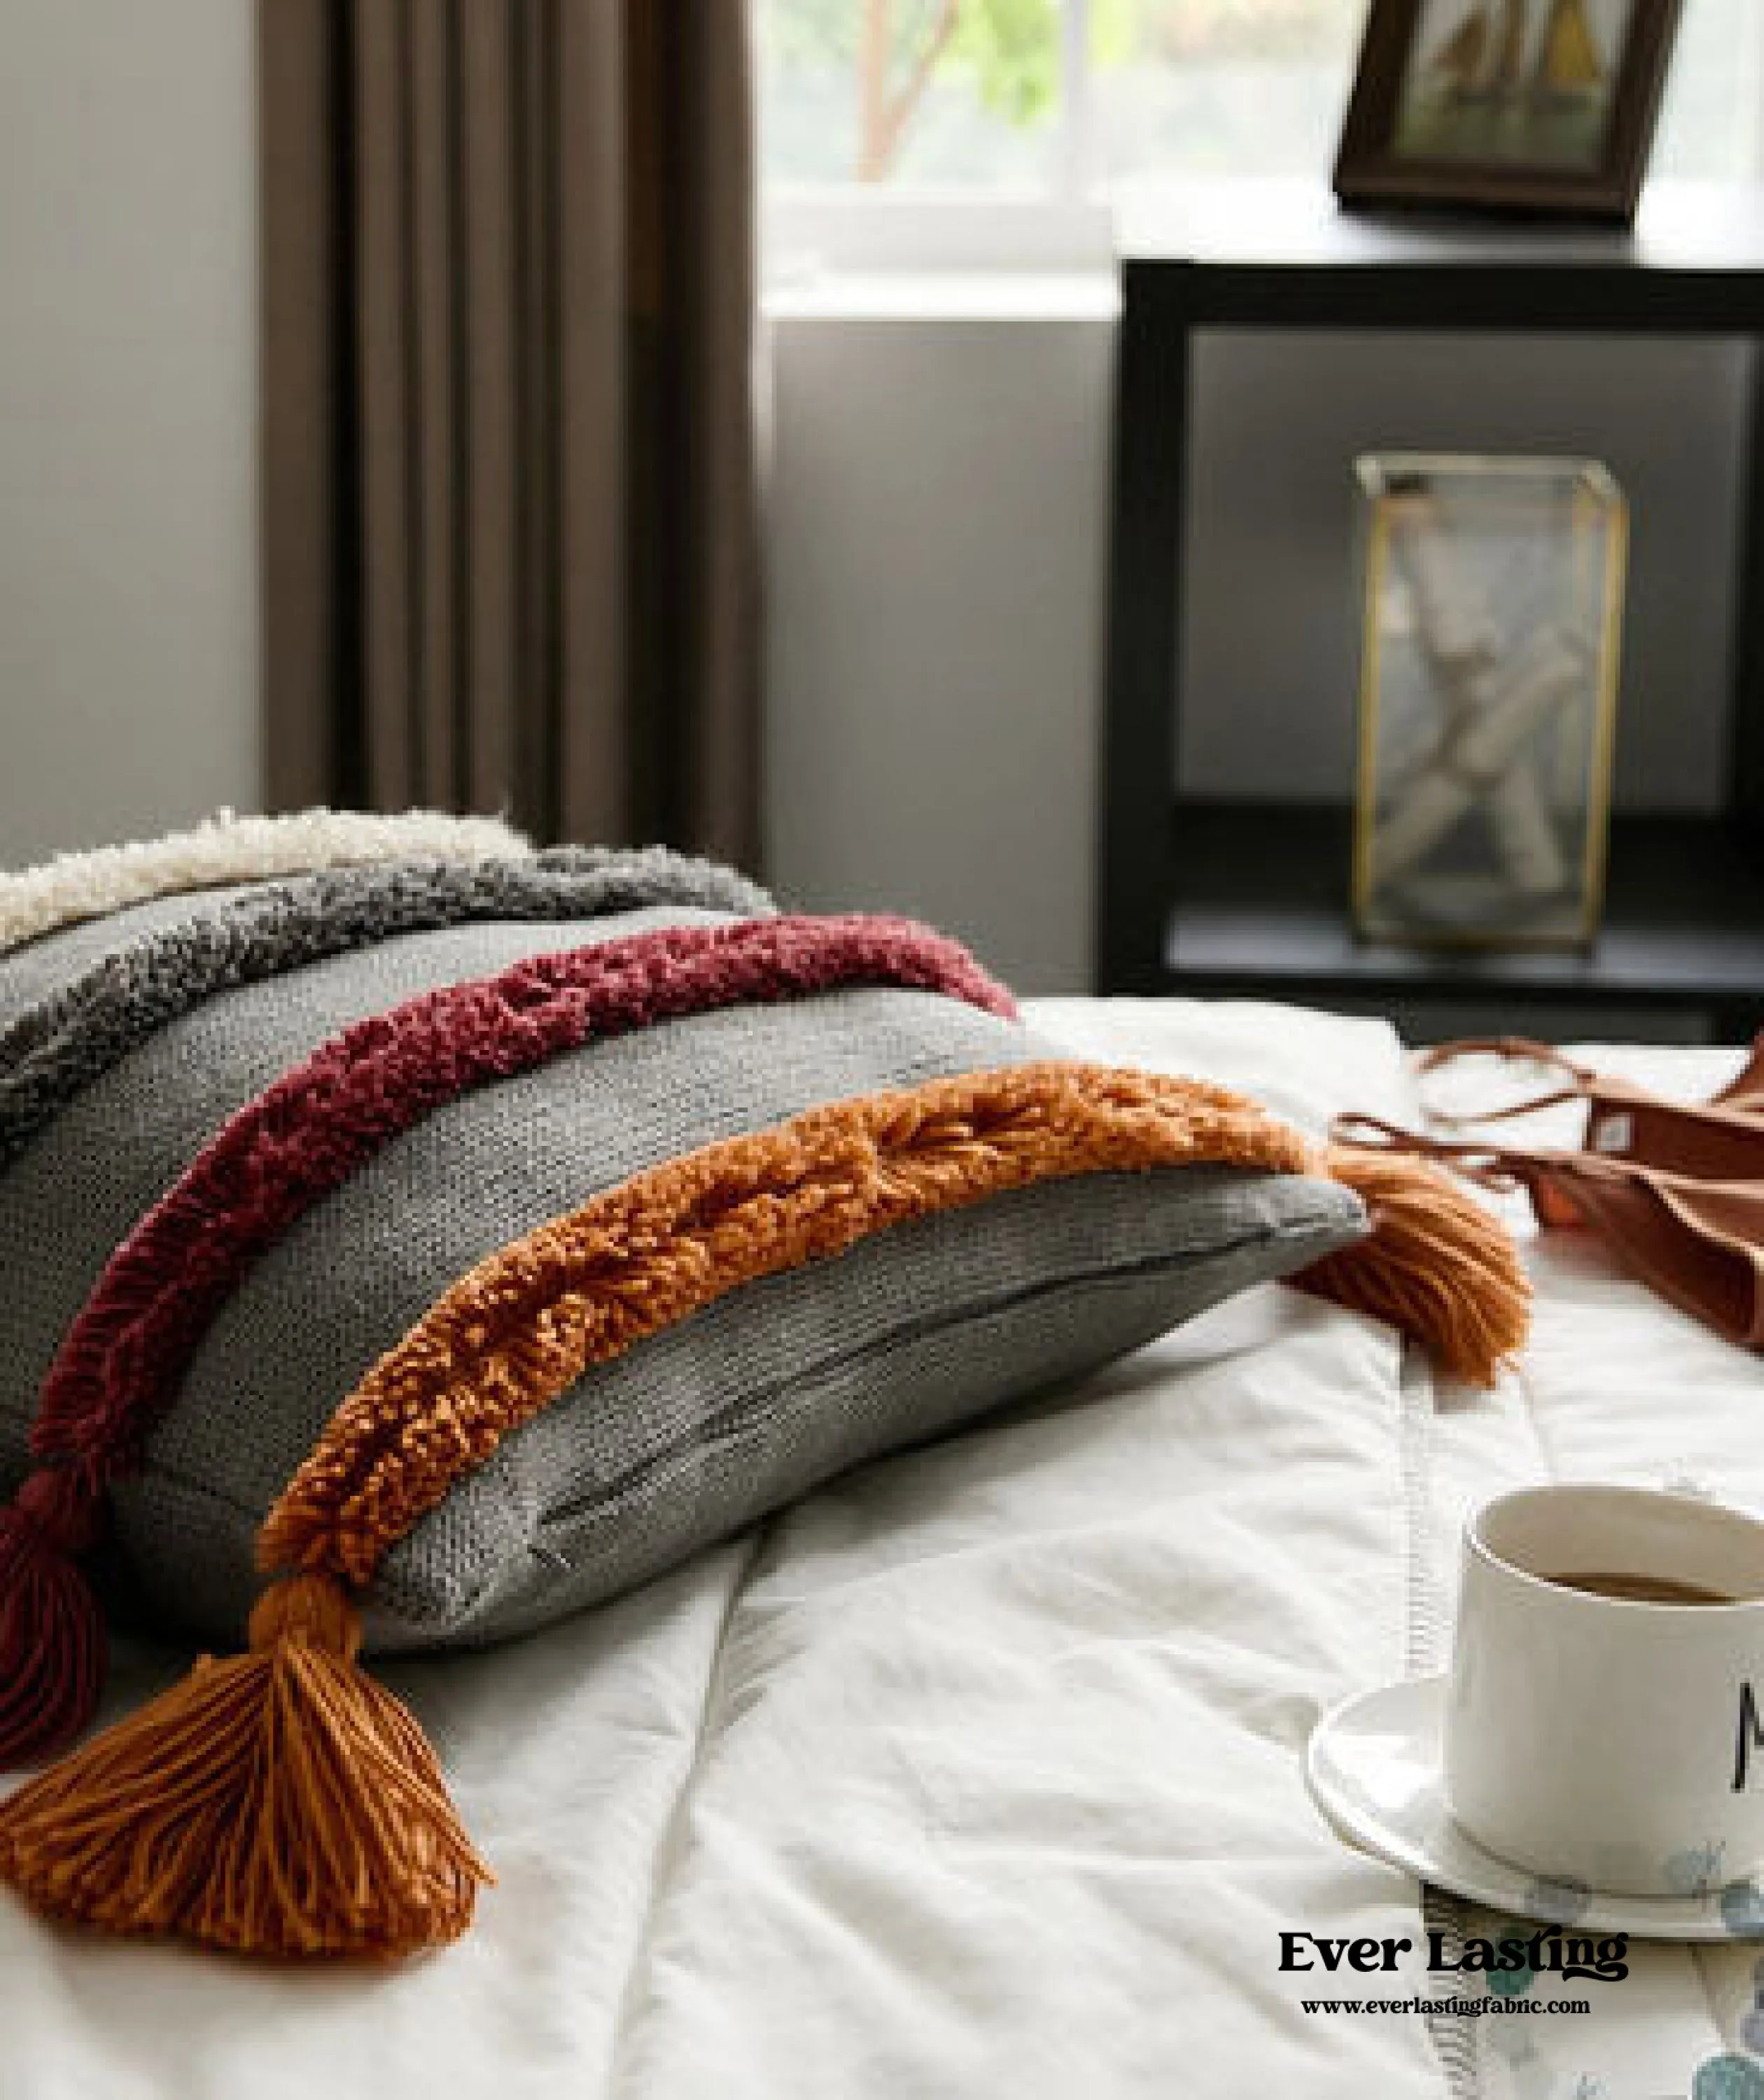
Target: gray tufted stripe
x: 62, y: 1043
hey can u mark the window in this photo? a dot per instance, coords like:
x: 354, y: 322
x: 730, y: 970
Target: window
x: 975, y: 94
x: 994, y: 101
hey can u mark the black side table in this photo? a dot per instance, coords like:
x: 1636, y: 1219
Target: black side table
x: 1235, y: 897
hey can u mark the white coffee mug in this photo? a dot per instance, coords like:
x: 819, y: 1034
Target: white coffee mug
x: 1602, y: 1739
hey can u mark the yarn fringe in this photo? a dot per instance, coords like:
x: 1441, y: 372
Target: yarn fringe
x: 281, y: 1803
x: 52, y: 1641
x: 278, y: 1802
x: 504, y: 1340
x: 1437, y: 1265
x: 120, y: 1365
x: 225, y: 848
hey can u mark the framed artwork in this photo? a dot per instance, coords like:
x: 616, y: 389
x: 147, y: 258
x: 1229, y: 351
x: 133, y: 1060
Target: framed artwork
x: 1534, y: 105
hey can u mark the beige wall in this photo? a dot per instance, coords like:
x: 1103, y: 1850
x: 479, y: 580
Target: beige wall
x: 128, y: 581
x: 936, y: 542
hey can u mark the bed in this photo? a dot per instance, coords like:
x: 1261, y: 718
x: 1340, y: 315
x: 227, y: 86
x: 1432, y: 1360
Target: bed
x: 980, y: 1771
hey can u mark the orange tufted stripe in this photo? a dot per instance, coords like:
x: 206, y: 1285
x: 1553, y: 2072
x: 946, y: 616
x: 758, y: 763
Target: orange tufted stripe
x: 523, y: 1326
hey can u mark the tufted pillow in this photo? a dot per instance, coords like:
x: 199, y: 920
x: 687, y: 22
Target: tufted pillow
x: 76, y: 887
x: 458, y: 1250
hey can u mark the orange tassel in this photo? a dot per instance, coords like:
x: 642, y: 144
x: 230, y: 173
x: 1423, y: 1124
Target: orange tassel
x: 277, y: 1802
x: 1436, y: 1264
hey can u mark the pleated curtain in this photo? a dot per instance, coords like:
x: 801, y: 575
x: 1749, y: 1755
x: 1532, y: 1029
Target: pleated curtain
x: 509, y: 535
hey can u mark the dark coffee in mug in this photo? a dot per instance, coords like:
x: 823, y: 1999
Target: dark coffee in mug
x: 1643, y: 1589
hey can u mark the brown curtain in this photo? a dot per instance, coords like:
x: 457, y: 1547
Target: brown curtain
x: 508, y: 486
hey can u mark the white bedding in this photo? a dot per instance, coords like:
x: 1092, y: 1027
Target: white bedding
x: 979, y: 1772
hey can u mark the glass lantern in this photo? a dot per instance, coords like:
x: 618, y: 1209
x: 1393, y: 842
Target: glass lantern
x: 1494, y: 599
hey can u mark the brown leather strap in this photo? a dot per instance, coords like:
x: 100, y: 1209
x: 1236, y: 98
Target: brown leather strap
x: 1519, y: 1048
x: 1698, y: 1242
x: 1457, y: 1119
x: 1491, y: 1166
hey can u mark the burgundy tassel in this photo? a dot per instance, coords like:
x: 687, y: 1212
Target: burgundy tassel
x: 52, y: 1643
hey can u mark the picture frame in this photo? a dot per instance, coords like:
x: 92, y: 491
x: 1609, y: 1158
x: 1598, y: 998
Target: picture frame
x: 1535, y: 106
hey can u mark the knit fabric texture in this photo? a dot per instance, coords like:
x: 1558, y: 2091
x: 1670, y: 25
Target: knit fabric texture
x: 225, y: 848
x: 87, y: 1179
x: 522, y: 1327
x: 89, y: 1006
x: 118, y: 1369
x: 414, y: 1253
x: 752, y: 1399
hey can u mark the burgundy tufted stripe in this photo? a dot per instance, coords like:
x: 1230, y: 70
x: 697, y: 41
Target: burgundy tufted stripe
x: 120, y: 1364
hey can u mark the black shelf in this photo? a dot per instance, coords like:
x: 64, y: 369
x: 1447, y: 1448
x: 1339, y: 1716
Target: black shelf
x: 1258, y: 907
x: 1251, y: 898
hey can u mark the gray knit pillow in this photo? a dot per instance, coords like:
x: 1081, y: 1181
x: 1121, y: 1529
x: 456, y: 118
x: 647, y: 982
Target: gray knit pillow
x: 693, y: 1432
x: 721, y: 1417
x: 422, y: 1261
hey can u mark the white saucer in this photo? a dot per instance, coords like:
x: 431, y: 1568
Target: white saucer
x: 1373, y: 1768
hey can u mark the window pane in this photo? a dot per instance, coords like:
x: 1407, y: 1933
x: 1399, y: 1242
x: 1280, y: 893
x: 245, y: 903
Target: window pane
x: 910, y: 93
x: 1189, y: 87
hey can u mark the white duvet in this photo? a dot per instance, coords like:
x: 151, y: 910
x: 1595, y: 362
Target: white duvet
x: 979, y: 1773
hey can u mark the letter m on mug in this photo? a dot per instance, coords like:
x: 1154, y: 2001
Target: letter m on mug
x: 1749, y: 1737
